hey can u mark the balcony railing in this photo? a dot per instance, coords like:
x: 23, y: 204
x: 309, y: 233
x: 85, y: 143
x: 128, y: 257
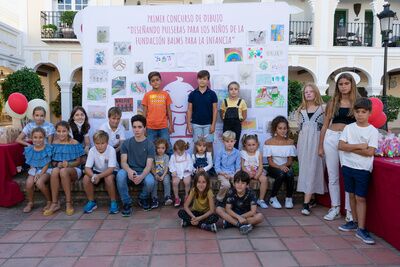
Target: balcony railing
x: 300, y: 32
x: 354, y: 34
x: 53, y: 17
x: 394, y: 37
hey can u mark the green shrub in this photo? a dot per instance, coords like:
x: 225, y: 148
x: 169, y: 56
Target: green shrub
x: 49, y: 26
x: 326, y: 98
x: 67, y: 17
x: 294, y: 95
x: 76, y: 99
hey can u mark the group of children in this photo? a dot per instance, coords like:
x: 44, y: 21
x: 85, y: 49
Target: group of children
x: 148, y: 157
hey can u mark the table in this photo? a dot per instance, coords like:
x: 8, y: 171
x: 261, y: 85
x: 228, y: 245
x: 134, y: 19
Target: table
x: 11, y: 156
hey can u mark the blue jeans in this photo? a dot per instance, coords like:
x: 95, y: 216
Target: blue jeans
x: 167, y: 187
x: 202, y: 131
x: 154, y: 134
x: 123, y: 183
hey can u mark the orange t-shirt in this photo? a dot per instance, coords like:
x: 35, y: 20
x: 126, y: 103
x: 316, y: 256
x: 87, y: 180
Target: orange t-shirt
x: 156, y: 103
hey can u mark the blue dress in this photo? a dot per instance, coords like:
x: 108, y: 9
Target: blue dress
x: 68, y: 152
x: 38, y: 159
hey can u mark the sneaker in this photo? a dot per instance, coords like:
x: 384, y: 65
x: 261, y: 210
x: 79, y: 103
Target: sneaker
x: 349, y: 226
x: 177, y: 202
x: 262, y: 204
x: 306, y: 209
x: 90, y: 206
x: 126, y: 210
x: 143, y: 203
x: 113, y: 207
x: 333, y: 213
x: 184, y: 223
x: 154, y: 203
x: 289, y: 203
x: 209, y: 227
x: 273, y: 201
x: 313, y: 203
x: 168, y: 201
x: 365, y: 236
x: 349, y: 216
x: 245, y: 229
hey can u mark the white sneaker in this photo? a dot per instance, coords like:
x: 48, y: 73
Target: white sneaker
x: 262, y: 204
x: 273, y: 201
x: 333, y: 213
x: 349, y: 216
x: 289, y: 203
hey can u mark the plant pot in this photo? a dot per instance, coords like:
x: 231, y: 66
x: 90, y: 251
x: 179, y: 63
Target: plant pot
x: 48, y: 33
x: 68, y: 33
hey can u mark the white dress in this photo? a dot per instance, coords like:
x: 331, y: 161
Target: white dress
x: 181, y: 165
x: 251, y: 162
x: 311, y: 166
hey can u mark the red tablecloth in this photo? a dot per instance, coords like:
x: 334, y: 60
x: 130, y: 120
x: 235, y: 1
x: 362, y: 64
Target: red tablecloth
x: 383, y: 200
x: 11, y: 156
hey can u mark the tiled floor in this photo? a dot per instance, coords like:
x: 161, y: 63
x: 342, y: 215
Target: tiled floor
x: 155, y: 238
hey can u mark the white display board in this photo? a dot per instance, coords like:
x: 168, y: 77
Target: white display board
x: 247, y: 43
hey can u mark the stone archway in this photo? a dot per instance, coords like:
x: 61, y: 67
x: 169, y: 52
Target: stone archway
x: 363, y: 85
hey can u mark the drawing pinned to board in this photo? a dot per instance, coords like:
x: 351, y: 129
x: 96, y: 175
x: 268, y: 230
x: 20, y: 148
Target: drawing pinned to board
x: 245, y: 74
x: 139, y: 68
x: 262, y: 65
x: 125, y: 123
x: 278, y: 78
x: 209, y: 60
x: 122, y: 48
x: 277, y: 31
x: 268, y: 96
x: 98, y: 76
x: 118, y: 85
x: 188, y: 59
x: 96, y: 112
x: 119, y: 64
x: 221, y: 81
x: 250, y: 124
x: 100, y: 57
x: 125, y: 104
x: 164, y: 60
x: 139, y: 107
x: 103, y: 34
x: 256, y: 37
x: 221, y: 95
x: 233, y: 54
x: 255, y: 53
x: 139, y: 87
x: 96, y: 94
x: 263, y: 79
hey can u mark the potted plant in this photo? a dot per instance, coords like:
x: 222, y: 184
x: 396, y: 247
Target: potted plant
x: 66, y: 19
x: 49, y: 30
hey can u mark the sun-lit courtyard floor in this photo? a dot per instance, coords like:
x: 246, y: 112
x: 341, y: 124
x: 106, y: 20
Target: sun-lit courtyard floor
x: 155, y: 238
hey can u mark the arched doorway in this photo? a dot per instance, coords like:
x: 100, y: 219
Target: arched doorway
x: 362, y: 86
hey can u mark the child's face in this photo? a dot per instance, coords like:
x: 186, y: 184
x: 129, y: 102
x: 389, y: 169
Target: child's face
x: 179, y: 152
x: 251, y: 145
x: 155, y: 82
x: 38, y: 117
x: 37, y: 139
x: 62, y: 133
x: 344, y: 86
x: 362, y: 115
x: 101, y: 145
x: 201, y: 184
x: 161, y: 149
x: 138, y: 129
x: 240, y: 187
x: 281, y: 129
x: 79, y: 116
x: 233, y: 91
x: 229, y: 144
x: 201, y: 148
x: 203, y: 82
x: 309, y: 93
x: 114, y: 121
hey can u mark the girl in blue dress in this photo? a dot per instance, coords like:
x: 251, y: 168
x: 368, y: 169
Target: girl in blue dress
x: 38, y: 157
x: 66, y: 160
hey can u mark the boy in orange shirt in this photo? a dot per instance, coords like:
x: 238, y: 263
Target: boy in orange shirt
x: 156, y: 108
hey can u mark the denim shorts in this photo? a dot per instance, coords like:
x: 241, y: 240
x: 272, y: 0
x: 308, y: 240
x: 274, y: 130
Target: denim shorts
x: 202, y: 131
x: 356, y: 181
x: 34, y: 171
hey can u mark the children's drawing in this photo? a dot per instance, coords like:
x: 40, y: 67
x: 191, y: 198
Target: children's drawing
x: 122, y: 48
x: 103, y: 34
x: 164, y: 60
x: 118, y: 85
x: 249, y: 124
x: 268, y: 96
x: 256, y: 37
x: 98, y: 76
x: 139, y: 87
x: 262, y: 65
x: 277, y: 31
x: 96, y: 94
x: 245, y: 74
x: 255, y: 53
x: 210, y: 60
x: 221, y: 95
x: 188, y: 59
x: 278, y: 78
x: 119, y: 64
x: 125, y: 104
x: 100, y: 57
x: 125, y: 123
x: 139, y: 107
x: 263, y: 79
x: 221, y: 81
x: 233, y: 54
x: 96, y: 112
x: 139, y: 69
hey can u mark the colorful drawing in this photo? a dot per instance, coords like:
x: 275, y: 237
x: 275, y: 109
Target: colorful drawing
x: 139, y: 107
x: 122, y: 48
x: 249, y: 124
x: 263, y: 65
x: 263, y: 78
x: 98, y: 76
x: 255, y: 53
x: 188, y: 59
x: 103, y: 34
x: 139, y: 69
x: 96, y: 94
x: 245, y: 74
x: 118, y: 85
x: 268, y: 96
x: 100, y: 57
x: 256, y: 37
x: 96, y: 112
x: 278, y: 78
x: 277, y: 31
x: 164, y: 60
x: 139, y: 87
x: 119, y: 64
x: 125, y: 104
x: 233, y: 54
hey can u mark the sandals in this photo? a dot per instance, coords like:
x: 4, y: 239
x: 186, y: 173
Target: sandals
x: 51, y: 210
x: 28, y: 208
x: 69, y: 211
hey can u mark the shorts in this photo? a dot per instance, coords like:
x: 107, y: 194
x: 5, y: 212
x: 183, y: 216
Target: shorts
x: 78, y: 172
x: 202, y: 131
x: 356, y: 181
x: 35, y: 171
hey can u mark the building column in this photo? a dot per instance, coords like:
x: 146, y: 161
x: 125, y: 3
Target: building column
x: 322, y: 88
x: 377, y: 7
x: 66, y: 98
x: 374, y: 90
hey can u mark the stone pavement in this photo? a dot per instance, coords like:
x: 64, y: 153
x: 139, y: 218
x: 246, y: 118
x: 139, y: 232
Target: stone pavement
x: 155, y: 238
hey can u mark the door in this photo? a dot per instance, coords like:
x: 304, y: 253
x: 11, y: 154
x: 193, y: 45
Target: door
x: 340, y: 24
x: 369, y: 27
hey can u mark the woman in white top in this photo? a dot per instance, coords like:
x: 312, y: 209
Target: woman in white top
x: 280, y: 151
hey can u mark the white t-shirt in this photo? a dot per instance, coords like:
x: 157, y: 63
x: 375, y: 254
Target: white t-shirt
x: 114, y: 136
x: 354, y: 134
x: 101, y: 161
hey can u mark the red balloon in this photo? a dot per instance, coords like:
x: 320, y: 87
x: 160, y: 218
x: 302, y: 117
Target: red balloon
x: 18, y: 103
x: 379, y: 121
x: 377, y: 108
